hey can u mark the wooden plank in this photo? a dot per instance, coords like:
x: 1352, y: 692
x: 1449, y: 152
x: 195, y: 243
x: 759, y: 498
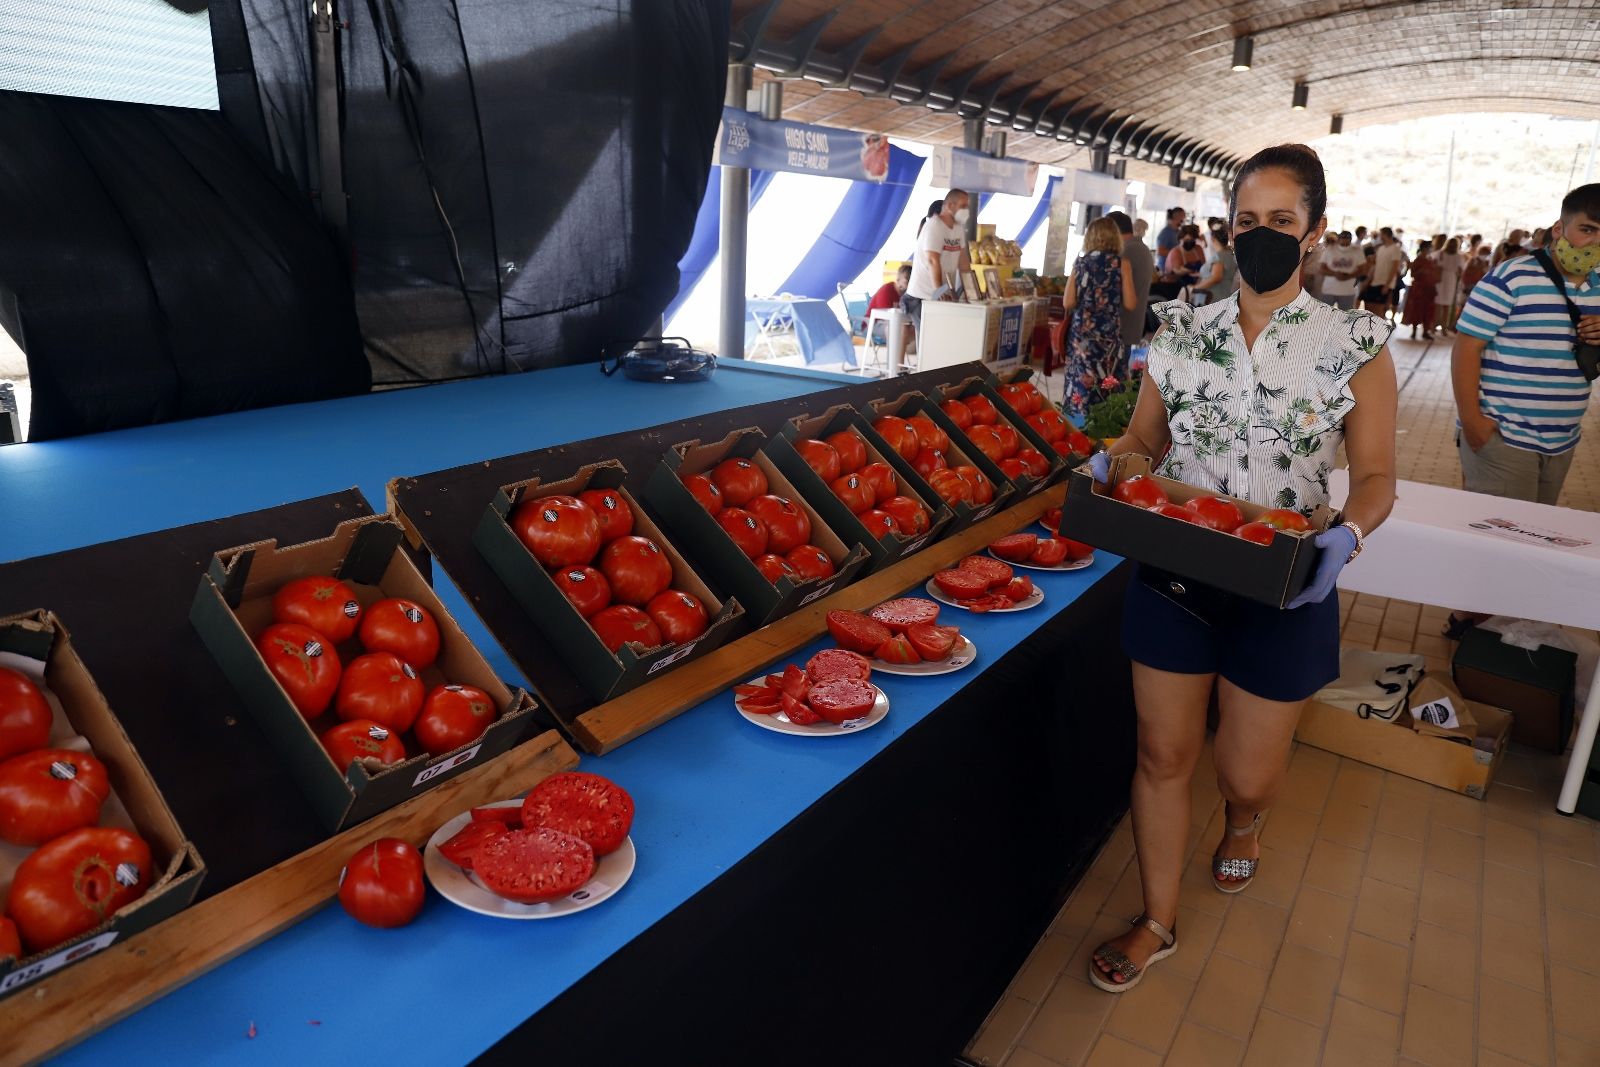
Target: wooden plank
x: 63, y: 1009
x: 619, y: 721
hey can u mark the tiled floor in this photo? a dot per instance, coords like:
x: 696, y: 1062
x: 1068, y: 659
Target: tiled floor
x: 1391, y: 921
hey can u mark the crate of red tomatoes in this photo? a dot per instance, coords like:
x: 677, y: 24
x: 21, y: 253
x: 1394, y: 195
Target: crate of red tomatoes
x: 969, y: 482
x: 1262, y: 554
x: 755, y: 534
x: 869, y: 493
x: 1031, y: 400
x: 601, y: 580
x: 89, y: 851
x: 355, y: 671
x: 1004, y: 435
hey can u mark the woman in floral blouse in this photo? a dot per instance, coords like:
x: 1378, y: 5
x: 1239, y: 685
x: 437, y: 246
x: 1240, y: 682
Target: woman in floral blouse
x: 1252, y: 397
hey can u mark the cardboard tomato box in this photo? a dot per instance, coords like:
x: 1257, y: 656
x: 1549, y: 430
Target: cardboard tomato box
x: 843, y: 418
x: 764, y: 601
x: 960, y: 453
x: 1269, y: 574
x: 38, y: 645
x: 234, y: 604
x: 606, y: 674
x: 1025, y: 374
x: 1027, y: 484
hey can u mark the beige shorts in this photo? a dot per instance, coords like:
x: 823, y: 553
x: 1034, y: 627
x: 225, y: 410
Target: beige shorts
x: 1499, y: 469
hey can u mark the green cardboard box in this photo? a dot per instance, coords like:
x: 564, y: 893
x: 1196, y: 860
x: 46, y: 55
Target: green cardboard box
x: 1536, y: 686
x: 45, y: 651
x: 606, y: 674
x: 1024, y: 374
x: 234, y: 604
x: 1027, y: 484
x: 960, y: 453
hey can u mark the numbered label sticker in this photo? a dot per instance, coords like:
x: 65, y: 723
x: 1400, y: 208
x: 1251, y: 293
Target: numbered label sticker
x: 809, y: 597
x: 590, y: 890
x: 24, y: 975
x: 670, y: 660
x: 450, y: 764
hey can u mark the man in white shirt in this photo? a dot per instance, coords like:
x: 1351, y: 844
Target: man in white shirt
x: 1341, y: 265
x: 1387, y: 262
x: 941, y: 255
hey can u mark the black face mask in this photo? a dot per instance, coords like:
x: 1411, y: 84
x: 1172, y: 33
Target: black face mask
x: 1188, y: 242
x: 1267, y: 258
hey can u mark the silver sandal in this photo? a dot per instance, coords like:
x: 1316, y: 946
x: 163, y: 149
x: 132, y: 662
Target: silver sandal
x: 1242, y: 869
x: 1121, y: 964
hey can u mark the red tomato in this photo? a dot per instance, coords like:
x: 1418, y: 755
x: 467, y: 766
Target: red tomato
x: 740, y: 481
x: 1023, y: 398
x: 1010, y: 440
x: 534, y: 865
x: 1049, y: 552
x: 382, y: 688
x: 1062, y: 448
x: 959, y: 414
x: 747, y: 532
x: 463, y: 846
x: 612, y: 512
x: 1014, y: 468
x: 1175, y: 511
x: 809, y: 561
x: 46, y: 792
x: 1077, y: 440
x: 788, y: 525
x: 951, y: 487
x: 929, y: 460
x: 1015, y: 547
x: 1259, y: 532
x: 897, y: 649
x: 909, y: 514
x: 820, y: 457
x: 325, y: 604
x: 511, y: 816
x: 928, y: 433
x: 833, y: 663
x: 403, y: 627
x: 587, y: 806
x: 303, y: 662
x: 1284, y: 519
x: 452, y: 716
x: 961, y: 584
x: 933, y: 643
x: 984, y: 413
x: 584, y: 587
x: 1140, y: 491
x: 1052, y: 518
x: 993, y: 570
x: 982, y: 487
x: 878, y: 523
x: 1217, y: 513
x: 75, y: 882
x: 637, y: 569
x: 1076, y: 550
x: 852, y: 450
x: 623, y: 623
x: 704, y: 490
x: 856, y: 492
x: 24, y: 714
x: 773, y: 567
x: 382, y: 885
x: 680, y: 616
x: 906, y: 611
x: 857, y: 632
x: 842, y: 699
x: 900, y: 434
x: 880, y: 476
x: 10, y: 940
x: 1018, y: 589
x: 363, y: 739
x: 1052, y: 426
x: 1034, y: 460
x: 987, y: 440
x: 559, y: 530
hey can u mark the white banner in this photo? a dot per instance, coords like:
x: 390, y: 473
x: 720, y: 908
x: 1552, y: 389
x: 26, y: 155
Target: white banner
x: 962, y: 168
x: 1101, y: 190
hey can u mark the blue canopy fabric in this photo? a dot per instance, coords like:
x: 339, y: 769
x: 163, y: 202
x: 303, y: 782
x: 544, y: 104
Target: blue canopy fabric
x: 859, y: 229
x: 707, y: 232
x: 1041, y: 212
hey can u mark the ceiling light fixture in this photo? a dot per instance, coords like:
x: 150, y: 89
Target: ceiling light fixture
x: 1336, y: 127
x: 1243, y: 50
x: 1302, y: 93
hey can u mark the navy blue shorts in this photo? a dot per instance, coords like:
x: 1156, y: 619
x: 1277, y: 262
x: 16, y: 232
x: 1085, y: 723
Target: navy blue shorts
x: 1270, y: 653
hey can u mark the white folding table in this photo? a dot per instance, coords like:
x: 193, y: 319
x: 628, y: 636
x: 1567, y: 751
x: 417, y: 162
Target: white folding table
x: 1472, y: 552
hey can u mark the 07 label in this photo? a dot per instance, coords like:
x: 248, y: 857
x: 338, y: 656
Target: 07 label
x: 450, y: 764
x: 24, y: 975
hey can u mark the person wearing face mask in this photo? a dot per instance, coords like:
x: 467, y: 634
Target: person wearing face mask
x: 1520, y: 371
x: 1184, y: 261
x: 941, y: 255
x: 1250, y: 396
x: 1341, y: 271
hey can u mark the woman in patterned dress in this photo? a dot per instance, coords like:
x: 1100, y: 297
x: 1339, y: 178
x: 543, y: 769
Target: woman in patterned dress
x: 1250, y: 396
x: 1100, y: 287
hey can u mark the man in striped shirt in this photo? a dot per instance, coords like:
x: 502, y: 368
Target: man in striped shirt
x: 1519, y: 390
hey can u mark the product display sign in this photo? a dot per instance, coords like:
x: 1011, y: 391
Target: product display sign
x: 962, y: 168
x: 745, y: 139
x: 1009, y: 349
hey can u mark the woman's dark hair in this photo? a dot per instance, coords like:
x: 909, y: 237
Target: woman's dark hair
x: 933, y: 209
x: 1301, y: 162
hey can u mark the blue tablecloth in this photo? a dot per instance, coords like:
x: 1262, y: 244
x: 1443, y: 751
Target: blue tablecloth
x: 710, y: 787
x: 817, y: 329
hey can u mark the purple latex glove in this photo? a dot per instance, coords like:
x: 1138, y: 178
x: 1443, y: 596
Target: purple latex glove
x: 1336, y: 545
x: 1100, y: 467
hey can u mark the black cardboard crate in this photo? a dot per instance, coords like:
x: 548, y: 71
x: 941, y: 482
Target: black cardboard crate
x: 1027, y: 485
x: 844, y: 418
x: 1269, y: 574
x: 1536, y: 686
x: 1025, y: 374
x: 178, y: 869
x: 960, y: 453
x: 233, y: 604
x: 604, y: 673
x: 763, y: 601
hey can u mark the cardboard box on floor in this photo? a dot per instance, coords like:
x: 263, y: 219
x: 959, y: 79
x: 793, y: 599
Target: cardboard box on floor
x: 41, y: 638
x: 1535, y: 685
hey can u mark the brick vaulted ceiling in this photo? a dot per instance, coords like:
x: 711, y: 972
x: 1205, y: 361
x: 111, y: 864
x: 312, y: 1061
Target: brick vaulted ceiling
x: 1150, y: 79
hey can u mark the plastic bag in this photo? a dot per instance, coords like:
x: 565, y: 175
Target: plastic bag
x: 1525, y: 633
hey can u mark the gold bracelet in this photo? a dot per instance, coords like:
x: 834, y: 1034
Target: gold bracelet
x: 1361, y: 540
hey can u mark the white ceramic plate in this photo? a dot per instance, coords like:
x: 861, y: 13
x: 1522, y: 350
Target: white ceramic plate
x: 1046, y: 528
x: 1068, y: 565
x: 778, y: 722
x: 961, y: 660
x: 1033, y: 601
x: 463, y: 889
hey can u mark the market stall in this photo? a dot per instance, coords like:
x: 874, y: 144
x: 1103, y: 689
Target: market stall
x: 768, y: 858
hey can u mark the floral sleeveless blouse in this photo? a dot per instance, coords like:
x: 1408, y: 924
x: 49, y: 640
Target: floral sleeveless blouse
x: 1264, y: 423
